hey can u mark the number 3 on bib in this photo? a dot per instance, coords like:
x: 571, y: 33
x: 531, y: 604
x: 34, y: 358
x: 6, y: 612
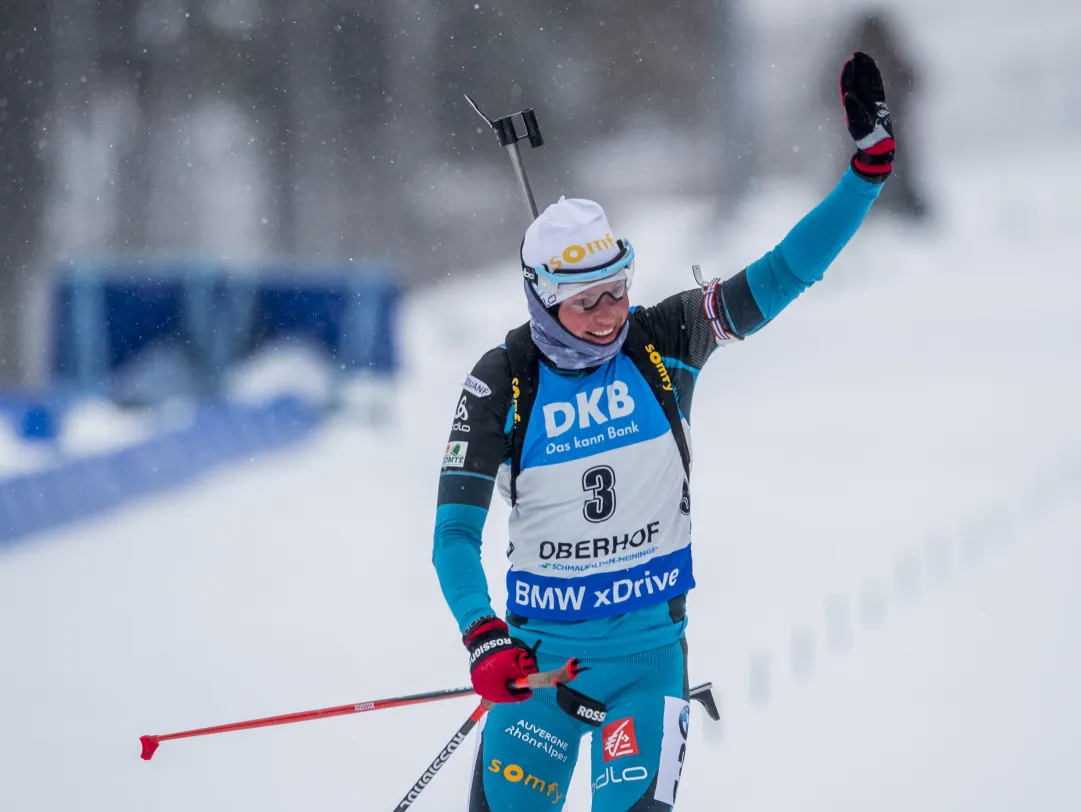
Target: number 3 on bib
x: 599, y: 482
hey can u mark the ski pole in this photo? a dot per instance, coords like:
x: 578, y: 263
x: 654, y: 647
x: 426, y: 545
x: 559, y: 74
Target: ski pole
x: 443, y: 757
x: 150, y: 743
x: 545, y: 679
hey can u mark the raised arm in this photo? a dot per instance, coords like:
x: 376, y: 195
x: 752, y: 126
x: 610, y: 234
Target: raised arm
x: 747, y: 301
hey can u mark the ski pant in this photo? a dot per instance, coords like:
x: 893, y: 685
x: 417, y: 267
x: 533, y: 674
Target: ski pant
x: 528, y: 750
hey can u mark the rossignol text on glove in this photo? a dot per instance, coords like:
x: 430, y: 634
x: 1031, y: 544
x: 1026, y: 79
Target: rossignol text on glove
x: 496, y: 660
x: 487, y: 647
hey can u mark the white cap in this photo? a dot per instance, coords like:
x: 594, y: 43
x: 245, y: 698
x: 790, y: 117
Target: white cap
x: 570, y: 235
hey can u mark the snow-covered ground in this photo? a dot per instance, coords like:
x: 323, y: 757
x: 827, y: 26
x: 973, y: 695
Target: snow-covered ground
x: 17, y: 455
x: 886, y: 522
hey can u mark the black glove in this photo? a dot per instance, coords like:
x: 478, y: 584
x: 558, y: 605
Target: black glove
x: 867, y: 117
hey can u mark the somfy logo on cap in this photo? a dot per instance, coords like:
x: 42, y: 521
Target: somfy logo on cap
x: 569, y: 235
x: 574, y: 254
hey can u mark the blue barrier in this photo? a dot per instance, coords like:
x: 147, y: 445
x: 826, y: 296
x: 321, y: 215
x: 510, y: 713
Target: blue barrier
x: 105, y: 316
x: 33, y: 415
x: 83, y: 488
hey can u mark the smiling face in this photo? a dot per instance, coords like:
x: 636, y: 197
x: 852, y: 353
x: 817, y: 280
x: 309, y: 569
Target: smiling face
x: 601, y: 322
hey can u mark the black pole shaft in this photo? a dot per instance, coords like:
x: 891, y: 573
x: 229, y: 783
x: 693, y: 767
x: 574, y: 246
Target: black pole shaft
x: 442, y: 758
x: 523, y: 181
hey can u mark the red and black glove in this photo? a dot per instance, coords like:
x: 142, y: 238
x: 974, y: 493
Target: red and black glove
x: 867, y: 117
x: 496, y: 659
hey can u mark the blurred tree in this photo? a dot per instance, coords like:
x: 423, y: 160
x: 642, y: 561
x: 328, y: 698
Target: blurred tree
x: 239, y: 53
x: 490, y: 52
x: 267, y: 88
x: 632, y: 61
x: 314, y: 123
x: 125, y: 64
x: 370, y: 169
x: 727, y: 102
x: 877, y: 32
x: 74, y: 64
x: 25, y: 87
x: 365, y: 139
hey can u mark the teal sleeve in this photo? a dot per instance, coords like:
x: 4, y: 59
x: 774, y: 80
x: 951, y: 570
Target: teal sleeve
x: 803, y: 255
x: 456, y: 556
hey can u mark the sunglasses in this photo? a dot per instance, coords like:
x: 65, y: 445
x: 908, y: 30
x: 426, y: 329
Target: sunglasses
x: 554, y: 287
x: 591, y: 297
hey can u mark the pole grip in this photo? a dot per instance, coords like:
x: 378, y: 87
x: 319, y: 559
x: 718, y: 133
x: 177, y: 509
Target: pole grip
x: 532, y: 129
x: 504, y: 131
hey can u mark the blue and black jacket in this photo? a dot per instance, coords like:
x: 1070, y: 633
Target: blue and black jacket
x: 684, y: 329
